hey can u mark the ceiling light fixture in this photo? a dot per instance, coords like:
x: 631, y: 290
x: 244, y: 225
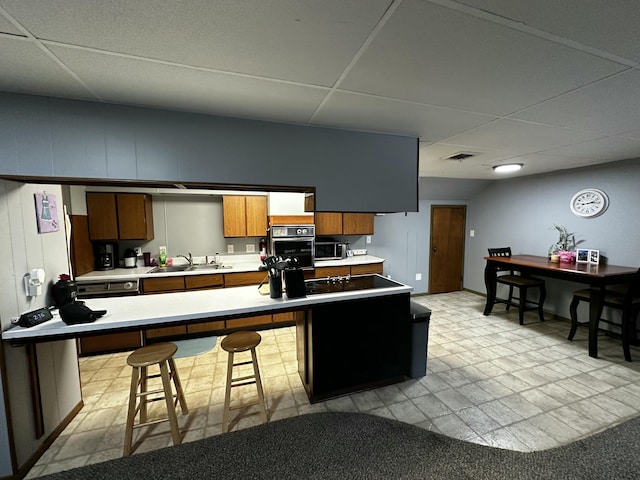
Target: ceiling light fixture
x: 507, y: 168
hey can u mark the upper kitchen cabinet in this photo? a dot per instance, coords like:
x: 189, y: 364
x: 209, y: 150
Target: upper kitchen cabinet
x: 244, y: 216
x: 120, y: 216
x: 334, y: 223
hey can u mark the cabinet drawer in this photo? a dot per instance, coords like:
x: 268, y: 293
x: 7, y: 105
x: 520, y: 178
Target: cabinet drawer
x: 166, y: 331
x: 249, y: 321
x: 195, y: 282
x: 110, y: 343
x: 206, y: 327
x: 365, y: 269
x: 162, y: 285
x: 243, y: 278
x: 332, y: 271
x: 288, y: 316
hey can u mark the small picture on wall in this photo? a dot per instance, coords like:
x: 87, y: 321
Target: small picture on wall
x: 582, y: 255
x: 594, y: 256
x: 46, y: 213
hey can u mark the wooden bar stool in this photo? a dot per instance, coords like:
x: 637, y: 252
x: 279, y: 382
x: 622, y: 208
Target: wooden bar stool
x: 160, y: 354
x: 235, y: 343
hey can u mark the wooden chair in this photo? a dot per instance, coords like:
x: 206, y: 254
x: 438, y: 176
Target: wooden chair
x: 628, y: 302
x: 522, y: 283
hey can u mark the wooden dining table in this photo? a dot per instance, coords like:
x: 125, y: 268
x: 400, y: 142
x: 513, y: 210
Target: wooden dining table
x: 596, y: 276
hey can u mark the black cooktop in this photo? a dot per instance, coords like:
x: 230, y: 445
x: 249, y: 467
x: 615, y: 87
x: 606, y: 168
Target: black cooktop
x: 347, y: 284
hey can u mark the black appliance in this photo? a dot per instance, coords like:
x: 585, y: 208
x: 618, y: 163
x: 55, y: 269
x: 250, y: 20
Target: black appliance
x: 348, y: 283
x: 105, y: 255
x: 295, y: 242
x: 130, y: 258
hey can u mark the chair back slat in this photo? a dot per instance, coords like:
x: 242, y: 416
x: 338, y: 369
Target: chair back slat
x: 501, y: 252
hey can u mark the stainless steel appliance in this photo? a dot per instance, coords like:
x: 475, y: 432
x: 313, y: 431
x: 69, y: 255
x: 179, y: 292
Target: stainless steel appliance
x: 294, y: 241
x: 112, y: 288
x: 330, y: 250
x: 105, y: 256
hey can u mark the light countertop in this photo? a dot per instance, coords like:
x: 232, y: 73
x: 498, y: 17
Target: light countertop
x: 140, y: 311
x: 243, y: 264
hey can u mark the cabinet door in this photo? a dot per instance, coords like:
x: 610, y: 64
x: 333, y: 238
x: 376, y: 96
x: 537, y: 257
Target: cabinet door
x: 322, y: 272
x: 357, y: 223
x: 234, y: 216
x: 162, y: 285
x: 256, y: 320
x: 366, y: 269
x: 256, y: 208
x: 203, y: 282
x: 328, y: 223
x: 103, y: 216
x: 135, y: 216
x: 244, y: 278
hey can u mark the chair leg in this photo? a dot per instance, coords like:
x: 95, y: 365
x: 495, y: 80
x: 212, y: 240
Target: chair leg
x: 171, y: 408
x: 628, y: 331
x: 131, y: 412
x: 543, y: 296
x: 573, y: 312
x: 227, y: 394
x: 173, y: 372
x: 256, y: 373
x: 510, y: 298
x: 522, y: 306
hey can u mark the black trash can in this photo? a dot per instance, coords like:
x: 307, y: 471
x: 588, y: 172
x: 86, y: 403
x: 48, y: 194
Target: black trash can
x: 420, y: 316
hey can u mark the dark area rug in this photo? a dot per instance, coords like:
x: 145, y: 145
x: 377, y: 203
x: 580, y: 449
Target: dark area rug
x: 361, y: 446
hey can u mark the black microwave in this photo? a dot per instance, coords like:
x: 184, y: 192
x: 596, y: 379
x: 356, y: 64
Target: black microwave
x: 330, y: 250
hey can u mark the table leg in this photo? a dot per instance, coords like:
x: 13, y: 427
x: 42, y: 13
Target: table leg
x: 595, y: 310
x: 490, y: 284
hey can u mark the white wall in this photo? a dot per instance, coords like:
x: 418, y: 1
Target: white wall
x: 24, y: 249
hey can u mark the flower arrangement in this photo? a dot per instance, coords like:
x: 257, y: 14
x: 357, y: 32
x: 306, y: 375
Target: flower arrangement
x: 564, y: 248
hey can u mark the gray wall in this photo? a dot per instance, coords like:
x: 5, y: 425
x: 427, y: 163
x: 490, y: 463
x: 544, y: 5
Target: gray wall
x: 50, y: 137
x: 24, y: 249
x: 521, y: 212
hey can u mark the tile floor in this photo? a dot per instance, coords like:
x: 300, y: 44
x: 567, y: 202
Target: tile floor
x: 489, y: 381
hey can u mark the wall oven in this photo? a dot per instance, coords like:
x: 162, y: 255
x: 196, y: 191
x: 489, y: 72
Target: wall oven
x: 295, y: 241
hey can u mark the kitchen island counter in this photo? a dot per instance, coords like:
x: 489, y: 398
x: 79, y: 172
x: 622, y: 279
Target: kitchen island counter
x: 142, y: 311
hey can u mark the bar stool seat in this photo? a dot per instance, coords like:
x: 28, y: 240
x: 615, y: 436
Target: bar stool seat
x: 238, y: 342
x: 140, y: 360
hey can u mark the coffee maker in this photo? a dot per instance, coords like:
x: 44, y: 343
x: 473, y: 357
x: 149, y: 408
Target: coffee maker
x: 105, y: 256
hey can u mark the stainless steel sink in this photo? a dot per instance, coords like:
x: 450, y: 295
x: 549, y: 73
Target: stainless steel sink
x: 173, y: 268
x: 209, y: 266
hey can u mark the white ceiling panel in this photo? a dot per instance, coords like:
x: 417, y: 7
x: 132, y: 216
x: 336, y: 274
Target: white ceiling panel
x: 609, y: 25
x: 608, y: 107
x: 355, y: 111
x: 552, y: 84
x: 520, y: 137
x: 435, y: 55
x: 606, y: 148
x: 27, y: 69
x: 129, y: 81
x: 305, y: 41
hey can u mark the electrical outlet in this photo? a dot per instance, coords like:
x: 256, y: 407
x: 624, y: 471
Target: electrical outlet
x: 251, y: 248
x: 472, y: 233
x: 418, y: 276
x: 368, y: 238
x: 229, y: 248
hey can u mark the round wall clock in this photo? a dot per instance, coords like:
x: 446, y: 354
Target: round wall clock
x: 589, y: 203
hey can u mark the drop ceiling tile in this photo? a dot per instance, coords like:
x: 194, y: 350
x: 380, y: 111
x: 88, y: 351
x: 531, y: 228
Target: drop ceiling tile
x: 601, y: 149
x: 433, y: 161
x: 296, y: 40
x: 609, y: 107
x: 432, y: 54
x: 520, y: 137
x: 609, y: 25
x: 7, y: 27
x: 354, y: 111
x: 27, y: 69
x: 137, y: 82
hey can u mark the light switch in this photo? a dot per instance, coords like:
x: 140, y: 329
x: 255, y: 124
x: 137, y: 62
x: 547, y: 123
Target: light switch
x: 229, y: 248
x: 418, y: 276
x: 251, y: 248
x: 472, y: 233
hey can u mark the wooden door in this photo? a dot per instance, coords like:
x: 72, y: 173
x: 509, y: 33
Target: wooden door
x: 357, y: 223
x: 103, y: 216
x: 256, y: 207
x: 446, y: 259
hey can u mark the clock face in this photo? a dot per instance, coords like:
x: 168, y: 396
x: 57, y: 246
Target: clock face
x: 589, y: 202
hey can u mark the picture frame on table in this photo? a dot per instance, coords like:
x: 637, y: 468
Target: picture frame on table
x: 582, y: 255
x: 594, y: 256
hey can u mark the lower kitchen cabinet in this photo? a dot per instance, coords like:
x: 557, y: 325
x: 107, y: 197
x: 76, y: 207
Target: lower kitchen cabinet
x: 152, y: 333
x: 213, y: 326
x: 322, y: 272
x: 254, y: 321
x: 366, y: 269
x: 162, y: 285
x: 113, y: 342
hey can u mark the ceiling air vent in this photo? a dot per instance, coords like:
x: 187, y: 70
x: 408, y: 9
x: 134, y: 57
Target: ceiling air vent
x: 460, y: 156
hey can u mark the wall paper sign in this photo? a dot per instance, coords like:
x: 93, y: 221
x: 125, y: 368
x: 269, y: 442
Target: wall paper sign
x: 46, y: 213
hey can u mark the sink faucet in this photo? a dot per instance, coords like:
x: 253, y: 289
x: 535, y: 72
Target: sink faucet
x: 189, y: 259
